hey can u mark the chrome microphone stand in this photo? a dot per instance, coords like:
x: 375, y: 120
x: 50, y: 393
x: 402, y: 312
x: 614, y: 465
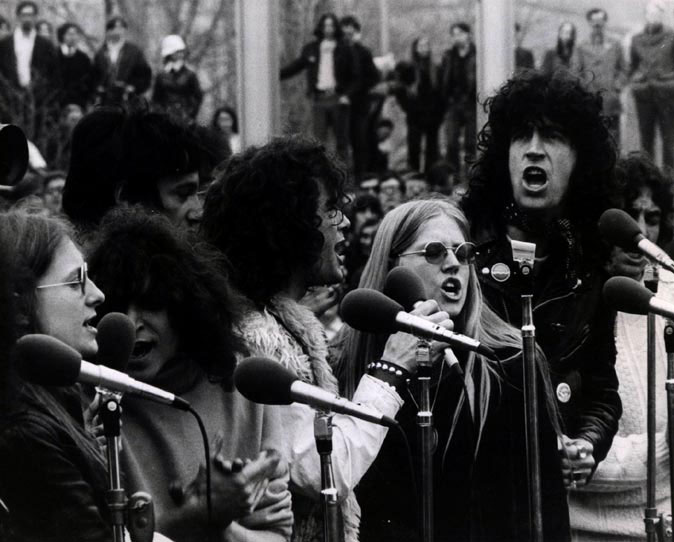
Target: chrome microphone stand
x: 137, y: 512
x: 329, y: 501
x: 669, y: 385
x: 651, y: 519
x: 524, y: 254
x: 115, y: 496
x: 658, y: 526
x: 425, y: 438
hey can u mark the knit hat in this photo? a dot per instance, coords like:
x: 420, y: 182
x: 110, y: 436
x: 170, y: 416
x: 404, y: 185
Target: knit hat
x: 171, y: 44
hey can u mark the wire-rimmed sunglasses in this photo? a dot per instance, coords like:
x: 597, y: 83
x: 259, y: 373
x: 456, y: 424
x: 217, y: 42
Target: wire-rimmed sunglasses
x: 82, y: 276
x: 435, y: 252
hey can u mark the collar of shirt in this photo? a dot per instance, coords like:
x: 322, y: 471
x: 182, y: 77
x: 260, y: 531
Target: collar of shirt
x: 19, y: 35
x: 23, y: 50
x: 68, y: 51
x: 114, y: 50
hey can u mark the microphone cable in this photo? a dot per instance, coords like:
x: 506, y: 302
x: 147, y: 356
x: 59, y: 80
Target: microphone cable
x: 410, y: 464
x: 209, y: 503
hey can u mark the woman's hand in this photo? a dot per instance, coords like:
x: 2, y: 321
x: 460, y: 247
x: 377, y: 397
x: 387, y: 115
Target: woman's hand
x: 236, y: 486
x: 626, y: 264
x: 321, y: 298
x: 93, y: 422
x: 401, y: 347
x: 273, y: 510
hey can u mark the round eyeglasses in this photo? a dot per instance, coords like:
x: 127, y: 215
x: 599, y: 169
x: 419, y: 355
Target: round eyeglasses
x: 435, y: 252
x: 82, y: 276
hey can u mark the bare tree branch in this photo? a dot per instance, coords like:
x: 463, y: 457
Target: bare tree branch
x: 209, y: 34
x: 192, y: 10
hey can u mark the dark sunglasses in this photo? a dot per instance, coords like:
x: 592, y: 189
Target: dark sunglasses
x: 435, y: 252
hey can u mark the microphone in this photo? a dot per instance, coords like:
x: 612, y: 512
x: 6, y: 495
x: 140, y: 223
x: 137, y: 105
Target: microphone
x: 620, y: 229
x: 627, y: 295
x: 116, y: 337
x: 44, y: 360
x: 371, y: 311
x: 404, y: 286
x: 265, y: 381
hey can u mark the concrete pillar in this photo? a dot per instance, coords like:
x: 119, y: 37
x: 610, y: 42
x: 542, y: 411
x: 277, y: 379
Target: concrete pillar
x: 257, y: 26
x: 384, y: 33
x: 495, y: 42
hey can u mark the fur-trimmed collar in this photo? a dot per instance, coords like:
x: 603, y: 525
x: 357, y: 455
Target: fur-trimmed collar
x: 292, y: 334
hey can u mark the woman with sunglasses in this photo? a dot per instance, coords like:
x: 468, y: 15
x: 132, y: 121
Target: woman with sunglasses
x: 479, y: 452
x: 52, y: 472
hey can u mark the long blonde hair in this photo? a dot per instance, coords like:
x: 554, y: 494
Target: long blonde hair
x: 396, y: 233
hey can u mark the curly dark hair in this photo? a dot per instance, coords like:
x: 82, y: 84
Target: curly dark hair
x: 123, y: 153
x: 637, y: 171
x: 261, y: 212
x: 156, y: 146
x: 529, y: 100
x: 141, y: 258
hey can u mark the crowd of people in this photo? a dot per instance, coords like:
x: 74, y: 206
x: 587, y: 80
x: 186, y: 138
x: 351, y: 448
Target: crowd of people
x: 216, y: 253
x: 48, y: 82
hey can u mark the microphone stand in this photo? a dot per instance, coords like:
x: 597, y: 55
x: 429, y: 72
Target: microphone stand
x: 651, y: 512
x: 669, y: 385
x: 115, y: 497
x: 329, y: 502
x: 425, y: 438
x: 524, y: 254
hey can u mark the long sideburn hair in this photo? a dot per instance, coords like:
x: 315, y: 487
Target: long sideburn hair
x: 31, y: 242
x: 356, y: 349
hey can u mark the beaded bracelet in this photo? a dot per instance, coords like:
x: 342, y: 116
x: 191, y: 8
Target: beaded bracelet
x: 389, y: 373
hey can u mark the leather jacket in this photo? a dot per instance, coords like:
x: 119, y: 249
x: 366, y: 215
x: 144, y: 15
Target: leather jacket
x: 573, y: 327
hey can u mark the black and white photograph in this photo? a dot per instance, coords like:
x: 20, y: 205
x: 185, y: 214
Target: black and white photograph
x: 336, y: 270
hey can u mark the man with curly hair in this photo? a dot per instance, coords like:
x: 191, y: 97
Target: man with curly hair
x: 276, y: 213
x: 544, y: 175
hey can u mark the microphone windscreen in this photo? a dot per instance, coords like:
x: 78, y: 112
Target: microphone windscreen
x: 44, y: 360
x: 404, y: 286
x: 370, y: 311
x: 264, y: 381
x: 619, y: 228
x: 116, y: 338
x: 627, y: 295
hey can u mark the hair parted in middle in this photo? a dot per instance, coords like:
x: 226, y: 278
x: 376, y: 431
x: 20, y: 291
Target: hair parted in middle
x: 637, y: 171
x: 262, y: 212
x: 533, y: 100
x: 396, y: 233
x: 318, y: 31
x: 32, y: 242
